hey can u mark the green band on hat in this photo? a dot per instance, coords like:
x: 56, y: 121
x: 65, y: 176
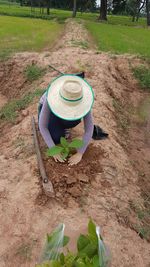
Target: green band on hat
x: 70, y: 100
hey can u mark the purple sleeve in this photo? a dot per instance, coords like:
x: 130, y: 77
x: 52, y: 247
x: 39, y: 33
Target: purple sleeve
x: 88, y: 128
x: 43, y: 124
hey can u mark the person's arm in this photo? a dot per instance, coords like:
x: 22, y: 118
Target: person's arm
x: 88, y: 128
x: 43, y: 124
x: 88, y: 132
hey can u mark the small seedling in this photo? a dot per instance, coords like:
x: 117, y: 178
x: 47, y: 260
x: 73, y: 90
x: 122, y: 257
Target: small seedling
x: 91, y: 250
x: 65, y: 149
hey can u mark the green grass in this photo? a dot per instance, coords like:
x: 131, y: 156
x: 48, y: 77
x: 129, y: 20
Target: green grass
x: 120, y: 39
x: 61, y: 15
x: 142, y: 73
x: 33, y: 72
x: 25, y: 34
x: 9, y: 112
x: 113, y: 19
x: 22, y: 34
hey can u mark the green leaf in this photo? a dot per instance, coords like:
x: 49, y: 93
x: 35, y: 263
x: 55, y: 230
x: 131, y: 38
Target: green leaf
x: 66, y: 240
x: 62, y: 258
x: 90, y: 250
x: 44, y: 265
x: 55, y: 150
x: 92, y: 228
x: 92, y: 232
x: 64, y: 142
x: 55, y: 263
x: 82, y: 242
x: 88, y: 262
x: 49, y: 238
x: 76, y: 143
x: 80, y: 263
x: 96, y: 261
x: 65, y: 153
x: 69, y: 259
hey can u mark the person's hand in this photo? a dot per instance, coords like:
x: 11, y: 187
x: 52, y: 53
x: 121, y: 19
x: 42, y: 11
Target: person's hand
x: 75, y: 159
x: 58, y: 158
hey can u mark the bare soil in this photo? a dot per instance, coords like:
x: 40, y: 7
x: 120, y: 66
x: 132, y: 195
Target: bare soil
x: 108, y: 185
x: 72, y: 182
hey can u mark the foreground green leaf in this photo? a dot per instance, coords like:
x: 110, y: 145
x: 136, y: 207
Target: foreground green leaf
x: 90, y: 251
x: 92, y: 232
x: 82, y: 242
x: 66, y: 240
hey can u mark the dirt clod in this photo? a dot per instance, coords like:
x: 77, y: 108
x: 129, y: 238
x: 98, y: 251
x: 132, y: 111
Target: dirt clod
x: 25, y: 112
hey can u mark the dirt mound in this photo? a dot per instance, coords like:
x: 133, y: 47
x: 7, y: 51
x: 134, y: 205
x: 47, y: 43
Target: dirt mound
x: 13, y: 81
x: 73, y: 181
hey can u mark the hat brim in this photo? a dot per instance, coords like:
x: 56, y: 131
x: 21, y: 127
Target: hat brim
x: 63, y: 109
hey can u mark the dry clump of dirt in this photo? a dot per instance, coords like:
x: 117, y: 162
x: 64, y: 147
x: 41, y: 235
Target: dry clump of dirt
x: 24, y: 219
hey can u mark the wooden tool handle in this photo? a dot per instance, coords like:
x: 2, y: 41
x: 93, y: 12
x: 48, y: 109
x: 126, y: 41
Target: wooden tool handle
x: 45, y: 179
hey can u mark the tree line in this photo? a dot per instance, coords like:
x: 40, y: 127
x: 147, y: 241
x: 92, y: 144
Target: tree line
x: 125, y: 7
x: 133, y: 8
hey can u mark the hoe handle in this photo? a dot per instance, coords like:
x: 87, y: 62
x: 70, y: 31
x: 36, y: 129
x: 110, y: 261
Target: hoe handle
x: 45, y: 179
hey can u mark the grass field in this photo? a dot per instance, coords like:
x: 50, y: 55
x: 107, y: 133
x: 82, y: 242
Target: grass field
x: 118, y: 35
x: 121, y: 39
x: 61, y: 15
x: 26, y: 34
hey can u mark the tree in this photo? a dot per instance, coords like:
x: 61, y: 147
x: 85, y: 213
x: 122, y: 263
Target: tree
x: 119, y: 6
x: 148, y: 12
x: 141, y: 6
x: 74, y: 8
x: 48, y: 6
x: 90, y: 5
x: 103, y: 10
x: 134, y: 8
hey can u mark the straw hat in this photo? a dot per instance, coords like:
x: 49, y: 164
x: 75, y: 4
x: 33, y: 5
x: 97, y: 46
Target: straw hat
x: 70, y: 97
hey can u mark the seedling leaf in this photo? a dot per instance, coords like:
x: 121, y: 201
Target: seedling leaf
x: 82, y: 242
x: 80, y: 263
x: 92, y: 232
x: 62, y: 258
x: 55, y: 263
x: 64, y: 142
x: 76, y: 143
x: 65, y: 153
x: 55, y: 150
x: 66, y: 240
x: 90, y: 250
x: 96, y: 261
